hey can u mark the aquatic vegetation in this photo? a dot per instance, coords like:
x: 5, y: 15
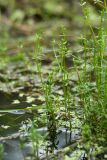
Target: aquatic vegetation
x: 52, y: 95
x: 1, y: 151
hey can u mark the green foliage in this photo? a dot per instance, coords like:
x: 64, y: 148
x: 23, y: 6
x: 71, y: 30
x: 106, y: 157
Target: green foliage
x: 1, y: 151
x: 94, y: 98
x: 84, y: 100
x: 36, y: 139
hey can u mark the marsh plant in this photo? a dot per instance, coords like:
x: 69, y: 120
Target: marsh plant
x: 47, y: 88
x: 48, y: 84
x: 92, y: 84
x: 62, y: 69
x: 1, y: 151
x: 37, y: 140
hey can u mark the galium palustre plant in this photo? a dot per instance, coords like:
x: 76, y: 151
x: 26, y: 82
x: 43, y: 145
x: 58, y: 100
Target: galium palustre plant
x: 93, y: 84
x: 47, y: 88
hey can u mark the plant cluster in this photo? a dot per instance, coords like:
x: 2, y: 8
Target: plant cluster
x: 91, y: 86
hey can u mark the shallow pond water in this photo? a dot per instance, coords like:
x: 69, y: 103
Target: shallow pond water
x: 13, y: 148
x: 16, y: 149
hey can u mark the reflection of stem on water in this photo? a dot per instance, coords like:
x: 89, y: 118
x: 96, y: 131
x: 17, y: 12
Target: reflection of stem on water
x: 52, y: 133
x: 66, y: 136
